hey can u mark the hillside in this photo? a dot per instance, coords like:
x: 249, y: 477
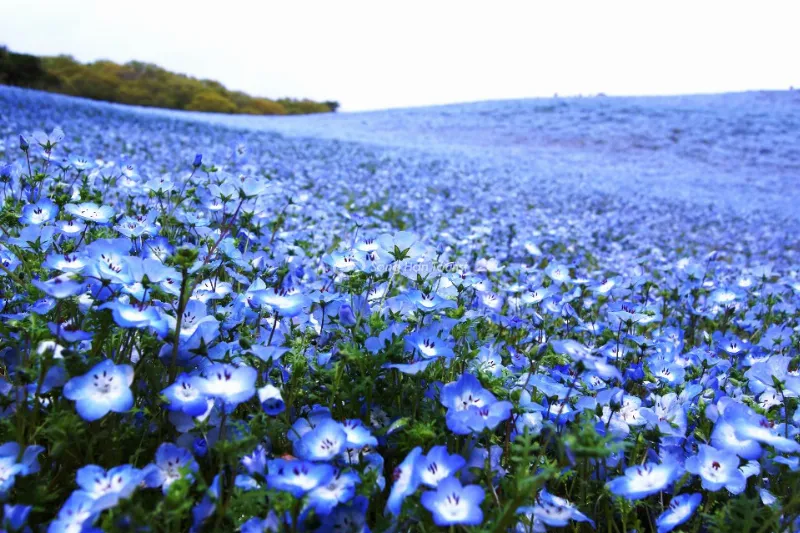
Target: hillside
x: 142, y: 84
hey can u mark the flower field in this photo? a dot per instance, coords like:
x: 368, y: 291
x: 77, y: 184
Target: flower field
x: 568, y: 315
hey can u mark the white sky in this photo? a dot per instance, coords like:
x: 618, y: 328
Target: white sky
x: 378, y: 54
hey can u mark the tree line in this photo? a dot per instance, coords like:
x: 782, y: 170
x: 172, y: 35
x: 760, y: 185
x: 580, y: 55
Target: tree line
x: 144, y: 84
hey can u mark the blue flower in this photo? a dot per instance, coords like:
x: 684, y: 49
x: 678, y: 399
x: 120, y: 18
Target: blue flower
x: 437, y: 465
x: 77, y: 512
x: 554, y: 511
x: 429, y: 302
x: 406, y: 481
x: 322, y: 443
x: 90, y: 212
x: 346, y: 316
x: 644, y: 480
x: 107, y: 487
x: 29, y: 460
x: 136, y: 317
x: 42, y: 212
x: 258, y: 525
x: 271, y: 400
x: 429, y: 343
x: 681, y: 508
x: 285, y: 303
x: 298, y: 477
x: 15, y: 516
x: 9, y: 469
x: 471, y: 407
x: 340, y: 489
x: 454, y: 504
x: 231, y: 384
x: 476, y: 419
x: 358, y: 435
x: 350, y: 518
x: 717, y: 469
x: 106, y: 387
x: 60, y: 286
x: 464, y: 393
x: 170, y: 460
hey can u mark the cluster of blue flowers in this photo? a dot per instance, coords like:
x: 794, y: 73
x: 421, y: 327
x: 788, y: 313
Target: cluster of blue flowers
x: 204, y: 328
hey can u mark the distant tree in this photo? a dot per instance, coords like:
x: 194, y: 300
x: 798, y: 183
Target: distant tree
x: 24, y: 70
x: 332, y: 105
x: 140, y: 83
x: 211, y: 102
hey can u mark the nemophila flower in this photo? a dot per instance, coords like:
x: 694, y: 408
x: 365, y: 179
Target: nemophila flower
x: 476, y: 419
x: 303, y: 425
x: 437, y: 464
x: 108, y: 260
x: 252, y: 187
x: 760, y: 429
x: 643, y: 480
x: 9, y: 470
x: 136, y: 226
x: 107, y: 487
x: 680, y: 509
x: 73, y: 263
x: 554, y: 511
x: 430, y: 342
x: 47, y: 141
x: 339, y: 489
x: 15, y: 516
x: 358, y: 435
x: 323, y: 443
x: 346, y: 316
x: 429, y: 301
x: 350, y: 517
x: 80, y: 163
x: 27, y: 459
x: 160, y: 185
x: 406, y: 481
x: 670, y: 373
x: 136, y: 317
x: 489, y: 300
x: 90, y: 212
x: 298, y: 477
x: 106, y: 387
x: 195, y: 319
x: 212, y: 290
x: 34, y: 238
x: 8, y: 260
x: 558, y: 273
x: 286, y: 303
x: 187, y: 395
x: 488, y: 361
x: 60, y: 287
x: 271, y: 400
x: 70, y: 228
x: 717, y: 469
x: 464, y: 393
x: 42, y: 212
x: 158, y: 248
x: 231, y: 384
x: 77, y: 514
x: 667, y: 414
x: 724, y: 436
x: 454, y: 504
x: 257, y: 525
x: 402, y: 244
x: 169, y: 462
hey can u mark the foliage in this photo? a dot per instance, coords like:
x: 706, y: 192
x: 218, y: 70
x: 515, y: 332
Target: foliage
x: 142, y: 84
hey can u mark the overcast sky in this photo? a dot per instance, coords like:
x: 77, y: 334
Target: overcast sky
x: 378, y: 53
